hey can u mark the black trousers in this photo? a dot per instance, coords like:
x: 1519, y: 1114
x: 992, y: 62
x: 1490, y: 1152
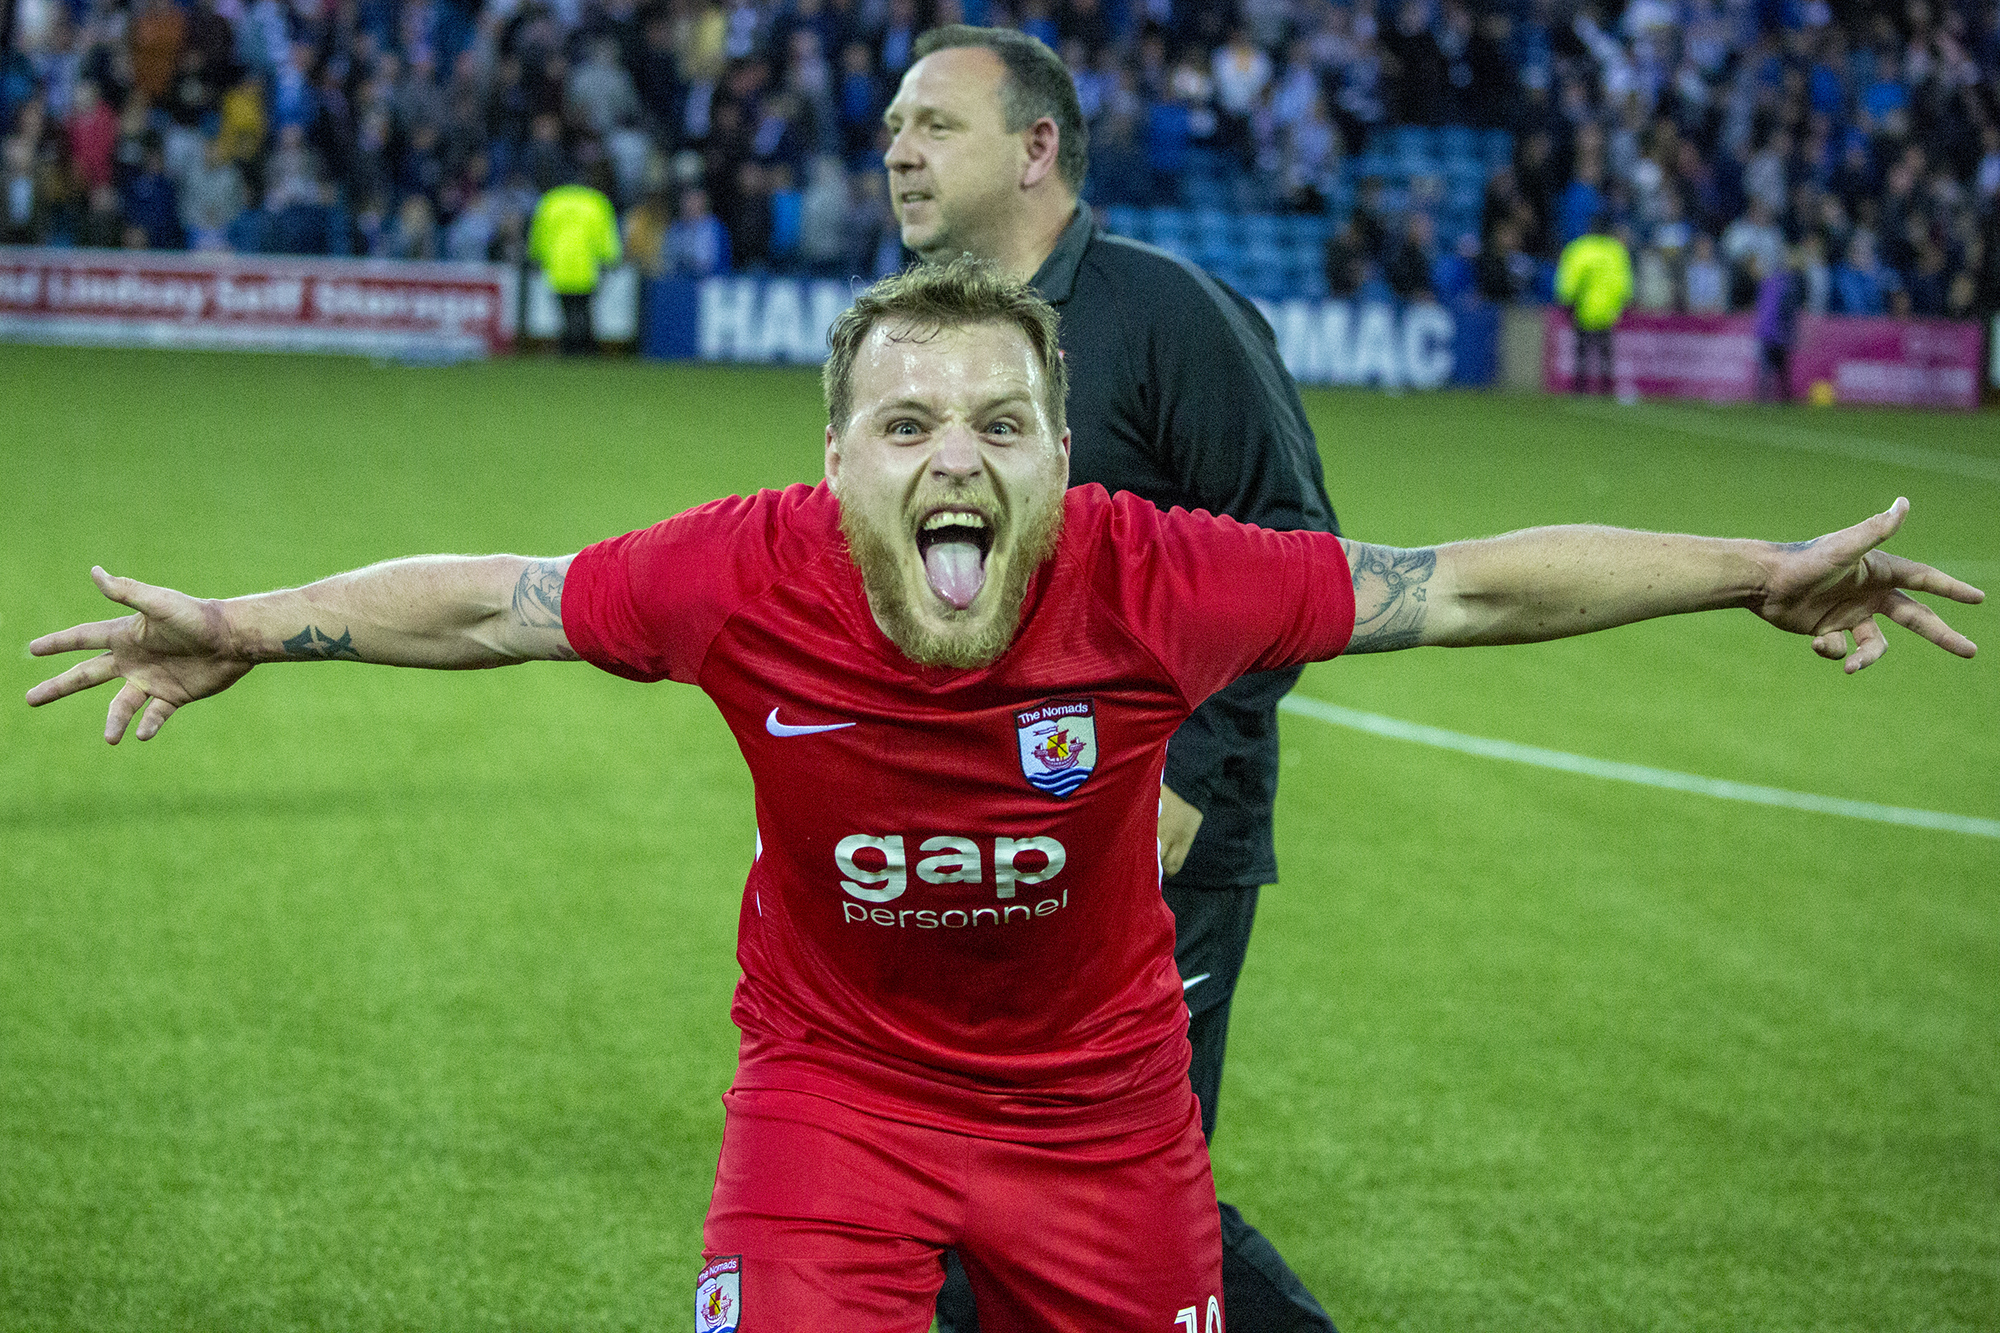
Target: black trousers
x: 1260, y: 1293
x: 1594, y: 346
x: 578, y: 338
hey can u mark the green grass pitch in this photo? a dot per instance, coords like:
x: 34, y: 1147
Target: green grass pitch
x: 375, y: 1000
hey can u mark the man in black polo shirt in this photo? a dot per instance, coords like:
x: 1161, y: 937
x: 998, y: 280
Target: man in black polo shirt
x: 1176, y: 394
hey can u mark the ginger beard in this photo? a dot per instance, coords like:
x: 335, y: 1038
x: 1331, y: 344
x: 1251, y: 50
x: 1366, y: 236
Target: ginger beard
x: 946, y: 582
x: 950, y: 474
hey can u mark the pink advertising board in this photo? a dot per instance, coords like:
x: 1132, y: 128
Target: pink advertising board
x: 149, y: 298
x: 1659, y: 354
x: 1895, y: 362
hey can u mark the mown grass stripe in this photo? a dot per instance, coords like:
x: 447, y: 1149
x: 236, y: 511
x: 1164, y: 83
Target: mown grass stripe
x: 1721, y: 788
x: 1777, y: 435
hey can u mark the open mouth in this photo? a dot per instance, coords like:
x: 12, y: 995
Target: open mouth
x: 954, y: 544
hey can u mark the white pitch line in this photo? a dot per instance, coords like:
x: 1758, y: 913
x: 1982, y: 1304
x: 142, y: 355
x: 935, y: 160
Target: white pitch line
x: 1396, y: 729
x: 1693, y: 421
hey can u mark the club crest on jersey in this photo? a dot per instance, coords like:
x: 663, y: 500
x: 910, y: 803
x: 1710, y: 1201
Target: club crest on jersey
x: 718, y: 1296
x: 1058, y: 744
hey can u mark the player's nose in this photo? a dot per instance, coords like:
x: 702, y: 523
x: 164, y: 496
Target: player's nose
x: 957, y: 454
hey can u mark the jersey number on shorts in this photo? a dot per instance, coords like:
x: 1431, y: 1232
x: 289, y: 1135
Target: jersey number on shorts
x: 1186, y: 1318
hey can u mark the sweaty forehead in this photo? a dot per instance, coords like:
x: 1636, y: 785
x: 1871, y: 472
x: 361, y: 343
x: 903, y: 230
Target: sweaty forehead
x: 955, y: 366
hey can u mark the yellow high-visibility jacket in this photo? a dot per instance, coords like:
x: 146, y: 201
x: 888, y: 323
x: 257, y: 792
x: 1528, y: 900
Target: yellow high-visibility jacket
x: 574, y: 231
x: 1594, y: 279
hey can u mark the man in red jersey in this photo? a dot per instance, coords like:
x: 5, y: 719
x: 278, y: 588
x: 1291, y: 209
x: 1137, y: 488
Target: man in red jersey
x: 953, y: 684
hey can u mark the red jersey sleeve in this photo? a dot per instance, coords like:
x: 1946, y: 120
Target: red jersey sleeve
x: 1215, y: 598
x: 647, y: 605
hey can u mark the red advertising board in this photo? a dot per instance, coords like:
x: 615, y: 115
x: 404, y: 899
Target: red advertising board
x: 1898, y: 362
x: 149, y: 298
x: 1659, y: 354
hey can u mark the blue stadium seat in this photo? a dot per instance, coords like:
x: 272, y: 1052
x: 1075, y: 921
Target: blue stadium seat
x: 1120, y: 220
x: 1213, y: 227
x: 1498, y: 147
x: 1262, y: 228
x: 1456, y: 141
x: 1204, y: 191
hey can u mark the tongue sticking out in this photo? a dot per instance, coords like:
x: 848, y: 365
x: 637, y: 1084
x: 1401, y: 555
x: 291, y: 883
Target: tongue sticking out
x: 956, y: 572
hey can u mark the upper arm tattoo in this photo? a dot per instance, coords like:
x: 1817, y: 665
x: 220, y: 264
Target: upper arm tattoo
x: 538, y: 602
x: 1390, y: 599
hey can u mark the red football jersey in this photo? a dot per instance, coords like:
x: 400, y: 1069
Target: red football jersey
x: 954, y: 915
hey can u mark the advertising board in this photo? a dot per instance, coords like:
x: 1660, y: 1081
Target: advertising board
x: 784, y: 320
x: 142, y: 298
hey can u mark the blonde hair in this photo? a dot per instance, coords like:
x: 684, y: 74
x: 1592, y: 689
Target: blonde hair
x: 933, y: 297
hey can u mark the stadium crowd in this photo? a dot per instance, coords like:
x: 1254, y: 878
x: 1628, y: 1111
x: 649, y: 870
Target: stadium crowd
x: 1855, y: 145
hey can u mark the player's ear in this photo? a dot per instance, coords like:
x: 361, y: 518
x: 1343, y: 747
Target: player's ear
x: 833, y: 453
x: 1065, y: 443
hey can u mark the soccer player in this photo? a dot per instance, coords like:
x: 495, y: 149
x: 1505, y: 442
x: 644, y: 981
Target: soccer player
x: 1177, y: 394
x: 954, y: 682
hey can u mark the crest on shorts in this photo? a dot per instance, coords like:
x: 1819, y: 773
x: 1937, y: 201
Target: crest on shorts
x: 718, y: 1296
x: 1058, y: 744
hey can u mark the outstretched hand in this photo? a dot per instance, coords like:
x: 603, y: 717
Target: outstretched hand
x: 173, y: 651
x: 1839, y: 583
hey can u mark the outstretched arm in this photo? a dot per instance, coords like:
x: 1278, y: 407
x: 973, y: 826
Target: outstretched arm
x: 441, y: 611
x: 1550, y: 583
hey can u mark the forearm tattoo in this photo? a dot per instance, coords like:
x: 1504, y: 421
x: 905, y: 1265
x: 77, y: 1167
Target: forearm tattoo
x: 538, y: 600
x: 1389, y: 597
x: 312, y: 644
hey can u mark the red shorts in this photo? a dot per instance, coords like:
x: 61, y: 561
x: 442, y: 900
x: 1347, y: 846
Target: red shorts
x: 840, y: 1219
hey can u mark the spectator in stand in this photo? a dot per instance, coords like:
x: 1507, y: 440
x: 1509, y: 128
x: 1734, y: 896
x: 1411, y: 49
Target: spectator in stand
x: 1504, y: 271
x: 413, y: 235
x: 474, y: 230
x: 860, y: 102
x: 152, y: 204
x: 1653, y: 285
x: 1862, y: 285
x: 1705, y: 280
x: 1582, y: 199
x: 1594, y: 279
x: 1407, y: 264
x: 157, y: 33
x: 823, y: 218
x: 697, y: 246
x: 1346, y: 255
x: 1929, y: 281
x: 601, y: 93
x: 103, y: 225
x: 646, y: 225
x: 1452, y: 271
x: 1753, y: 244
x: 92, y: 131
x: 23, y: 207
x: 213, y: 197
x: 1241, y: 71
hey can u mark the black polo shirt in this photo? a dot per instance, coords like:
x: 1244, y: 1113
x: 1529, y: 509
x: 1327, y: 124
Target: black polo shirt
x: 1177, y: 394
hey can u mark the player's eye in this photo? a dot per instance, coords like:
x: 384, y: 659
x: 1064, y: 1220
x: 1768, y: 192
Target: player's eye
x: 1004, y: 426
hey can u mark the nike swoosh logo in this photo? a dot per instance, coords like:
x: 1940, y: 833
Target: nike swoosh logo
x: 1194, y: 981
x: 777, y: 728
